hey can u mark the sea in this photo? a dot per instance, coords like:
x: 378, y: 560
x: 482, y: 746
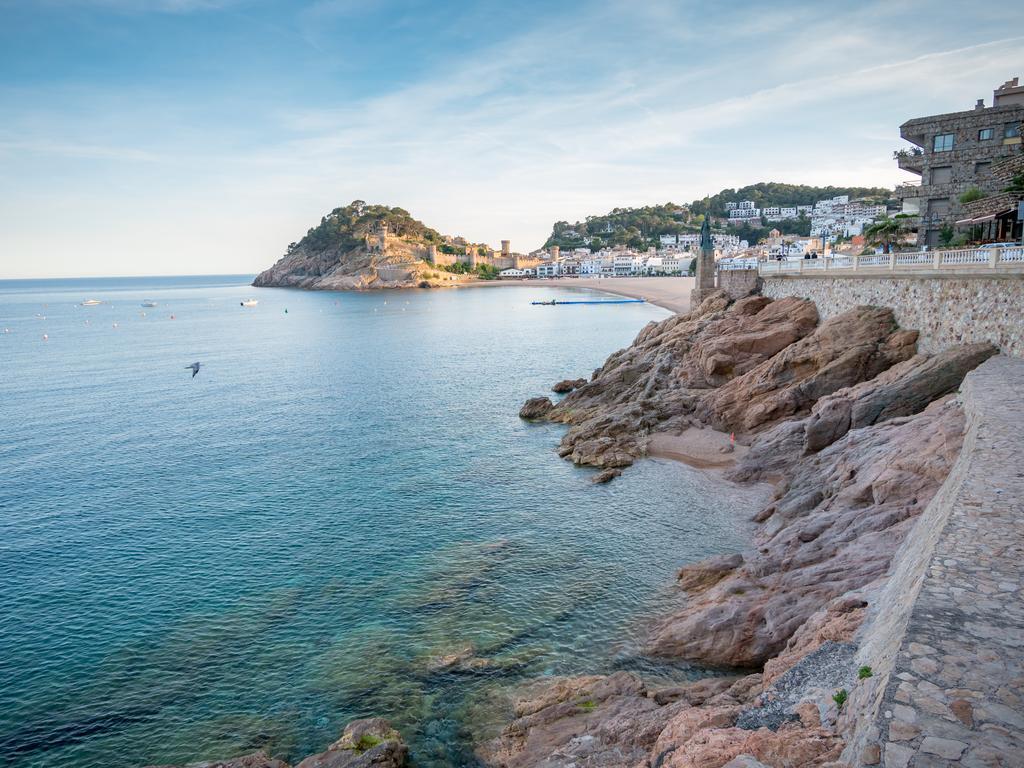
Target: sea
x: 340, y: 516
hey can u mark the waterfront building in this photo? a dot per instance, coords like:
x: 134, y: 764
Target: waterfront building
x: 954, y: 153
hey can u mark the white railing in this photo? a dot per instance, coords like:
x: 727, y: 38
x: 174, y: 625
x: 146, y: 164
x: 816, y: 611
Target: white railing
x: 1011, y: 258
x: 731, y: 264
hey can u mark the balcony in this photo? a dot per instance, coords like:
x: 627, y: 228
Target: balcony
x: 910, y: 160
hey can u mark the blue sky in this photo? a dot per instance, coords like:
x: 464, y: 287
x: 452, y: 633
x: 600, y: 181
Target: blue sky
x: 202, y: 136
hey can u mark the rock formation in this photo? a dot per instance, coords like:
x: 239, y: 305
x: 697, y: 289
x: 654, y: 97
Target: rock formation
x: 568, y: 385
x: 360, y: 246
x: 856, y: 430
x: 364, y: 743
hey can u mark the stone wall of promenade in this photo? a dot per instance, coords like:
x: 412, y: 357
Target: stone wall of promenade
x: 946, y: 309
x: 739, y: 282
x: 945, y: 639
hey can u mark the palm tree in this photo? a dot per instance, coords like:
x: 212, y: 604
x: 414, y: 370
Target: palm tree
x: 884, y: 232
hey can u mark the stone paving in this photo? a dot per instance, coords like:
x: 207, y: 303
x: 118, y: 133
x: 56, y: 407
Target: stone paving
x: 955, y: 696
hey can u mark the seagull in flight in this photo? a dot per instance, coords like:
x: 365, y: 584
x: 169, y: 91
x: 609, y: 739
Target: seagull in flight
x: 194, y: 368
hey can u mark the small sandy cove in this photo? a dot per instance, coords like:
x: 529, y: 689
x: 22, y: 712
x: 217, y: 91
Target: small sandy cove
x: 671, y: 293
x: 701, y: 448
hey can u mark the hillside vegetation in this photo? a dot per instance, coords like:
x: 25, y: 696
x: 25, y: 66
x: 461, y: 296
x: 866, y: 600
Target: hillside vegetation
x: 344, y: 228
x: 643, y: 227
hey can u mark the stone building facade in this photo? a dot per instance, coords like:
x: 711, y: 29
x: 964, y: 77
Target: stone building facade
x: 955, y: 152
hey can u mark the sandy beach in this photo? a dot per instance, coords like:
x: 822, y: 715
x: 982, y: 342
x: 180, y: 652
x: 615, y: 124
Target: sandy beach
x: 701, y: 448
x: 671, y: 293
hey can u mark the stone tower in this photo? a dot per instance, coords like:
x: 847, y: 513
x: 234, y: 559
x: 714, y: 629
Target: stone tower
x: 704, y: 285
x: 471, y: 252
x: 432, y: 253
x: 555, y: 252
x: 378, y: 241
x: 506, y: 248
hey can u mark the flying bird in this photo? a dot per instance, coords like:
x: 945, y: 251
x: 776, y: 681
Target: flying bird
x: 194, y: 368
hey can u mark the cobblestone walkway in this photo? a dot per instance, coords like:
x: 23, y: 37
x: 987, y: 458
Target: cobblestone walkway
x: 956, y: 695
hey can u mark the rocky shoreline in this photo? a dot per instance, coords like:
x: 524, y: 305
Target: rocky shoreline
x: 856, y: 430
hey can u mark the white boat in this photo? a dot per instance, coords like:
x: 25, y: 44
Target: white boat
x: 91, y: 302
x: 250, y: 303
x: 149, y: 303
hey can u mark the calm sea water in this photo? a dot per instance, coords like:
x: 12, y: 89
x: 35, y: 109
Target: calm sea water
x: 197, y: 568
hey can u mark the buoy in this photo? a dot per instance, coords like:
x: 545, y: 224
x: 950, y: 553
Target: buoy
x: 46, y: 337
x: 286, y: 310
x: 172, y: 317
x: 115, y: 325
x: 732, y: 438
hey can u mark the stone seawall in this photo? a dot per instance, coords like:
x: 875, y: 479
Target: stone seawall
x: 946, y: 310
x: 739, y: 282
x: 946, y: 643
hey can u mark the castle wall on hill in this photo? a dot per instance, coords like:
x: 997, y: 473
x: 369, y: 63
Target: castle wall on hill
x: 946, y: 310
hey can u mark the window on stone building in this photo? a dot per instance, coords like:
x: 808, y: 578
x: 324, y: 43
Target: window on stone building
x: 1011, y: 131
x: 982, y: 169
x: 943, y: 142
x: 941, y: 175
x: 938, y: 206
x: 986, y: 133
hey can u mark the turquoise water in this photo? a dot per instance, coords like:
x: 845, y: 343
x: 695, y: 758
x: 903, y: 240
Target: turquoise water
x: 344, y: 495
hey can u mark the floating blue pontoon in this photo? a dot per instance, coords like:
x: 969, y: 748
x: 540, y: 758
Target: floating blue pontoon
x: 555, y: 302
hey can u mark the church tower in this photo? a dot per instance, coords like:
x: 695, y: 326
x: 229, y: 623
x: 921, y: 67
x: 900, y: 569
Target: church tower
x: 704, y: 286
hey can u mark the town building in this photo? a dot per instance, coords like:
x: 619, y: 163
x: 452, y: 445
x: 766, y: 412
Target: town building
x: 954, y: 153
x: 744, y: 211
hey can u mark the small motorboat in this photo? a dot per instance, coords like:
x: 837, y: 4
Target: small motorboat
x: 91, y: 303
x: 149, y: 303
x: 249, y: 303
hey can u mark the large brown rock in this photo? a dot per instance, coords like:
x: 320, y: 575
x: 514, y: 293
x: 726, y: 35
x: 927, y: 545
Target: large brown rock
x: 904, y: 389
x: 536, y: 408
x: 591, y: 721
x: 568, y: 385
x: 656, y: 382
x: 845, y: 350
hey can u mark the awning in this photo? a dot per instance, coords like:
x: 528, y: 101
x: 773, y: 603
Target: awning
x: 978, y: 220
x: 986, y: 217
